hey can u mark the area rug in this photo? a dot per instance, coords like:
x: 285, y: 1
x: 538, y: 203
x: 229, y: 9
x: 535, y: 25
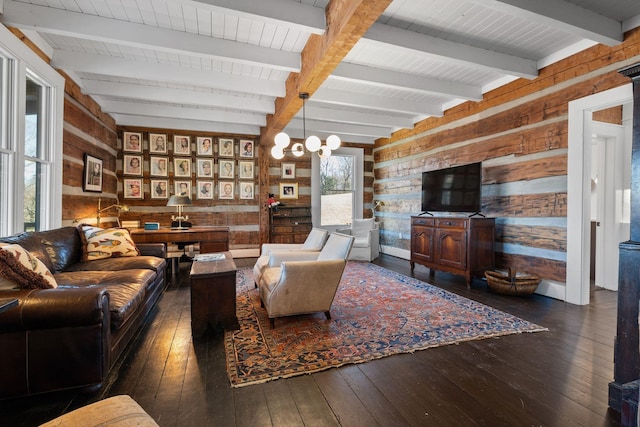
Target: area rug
x: 376, y: 313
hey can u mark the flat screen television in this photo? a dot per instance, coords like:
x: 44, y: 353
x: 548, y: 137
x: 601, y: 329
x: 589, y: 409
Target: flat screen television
x: 455, y: 189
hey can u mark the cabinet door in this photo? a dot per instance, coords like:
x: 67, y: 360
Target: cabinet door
x: 422, y: 244
x: 451, y: 247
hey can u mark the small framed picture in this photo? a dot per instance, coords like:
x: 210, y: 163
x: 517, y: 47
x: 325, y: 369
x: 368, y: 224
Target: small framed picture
x: 288, y: 170
x: 225, y: 147
x: 181, y: 166
x: 132, y: 165
x: 182, y: 188
x: 159, y: 166
x: 133, y: 188
x: 205, y: 147
x: 246, y: 190
x: 92, y: 174
x: 159, y: 189
x: 204, y: 168
x: 158, y: 143
x: 288, y: 190
x: 205, y: 189
x: 225, y: 190
x: 132, y: 142
x: 245, y: 169
x: 246, y: 148
x: 181, y: 144
x: 225, y: 169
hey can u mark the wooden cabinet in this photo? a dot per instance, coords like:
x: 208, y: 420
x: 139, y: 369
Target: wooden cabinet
x: 462, y: 246
x: 289, y: 224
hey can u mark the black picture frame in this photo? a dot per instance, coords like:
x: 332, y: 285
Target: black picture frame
x: 93, y: 174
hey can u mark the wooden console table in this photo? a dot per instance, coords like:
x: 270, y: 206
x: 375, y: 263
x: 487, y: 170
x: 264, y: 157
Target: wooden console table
x: 212, y: 239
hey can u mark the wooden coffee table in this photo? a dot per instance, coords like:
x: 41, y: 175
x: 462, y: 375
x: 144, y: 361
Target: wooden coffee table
x: 213, y: 293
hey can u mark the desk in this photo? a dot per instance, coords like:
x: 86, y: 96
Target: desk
x: 213, y: 294
x: 212, y: 239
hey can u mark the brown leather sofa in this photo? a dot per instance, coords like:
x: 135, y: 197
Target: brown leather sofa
x: 71, y: 336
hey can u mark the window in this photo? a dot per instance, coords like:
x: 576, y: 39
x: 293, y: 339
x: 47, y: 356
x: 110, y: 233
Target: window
x: 30, y: 139
x: 337, y: 191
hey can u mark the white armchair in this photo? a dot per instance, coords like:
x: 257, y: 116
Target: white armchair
x: 366, y: 246
x: 313, y: 243
x: 304, y: 282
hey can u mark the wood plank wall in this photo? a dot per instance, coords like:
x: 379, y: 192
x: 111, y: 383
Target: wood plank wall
x: 519, y: 132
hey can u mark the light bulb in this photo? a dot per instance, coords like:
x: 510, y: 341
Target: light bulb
x: 282, y: 140
x: 324, y: 152
x: 297, y: 149
x: 313, y: 143
x: 333, y: 142
x: 277, y: 152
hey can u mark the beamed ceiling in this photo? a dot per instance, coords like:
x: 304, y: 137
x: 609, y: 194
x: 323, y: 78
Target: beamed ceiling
x: 372, y: 67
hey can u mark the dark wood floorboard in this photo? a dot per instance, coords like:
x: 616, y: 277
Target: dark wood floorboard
x: 554, y: 378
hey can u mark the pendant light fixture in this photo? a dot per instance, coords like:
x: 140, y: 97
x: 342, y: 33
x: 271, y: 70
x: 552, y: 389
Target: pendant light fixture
x: 312, y: 144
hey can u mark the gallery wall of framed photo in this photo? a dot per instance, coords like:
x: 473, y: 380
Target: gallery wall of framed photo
x: 158, y: 165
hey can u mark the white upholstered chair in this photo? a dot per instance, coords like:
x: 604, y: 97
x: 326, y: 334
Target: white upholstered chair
x: 366, y: 246
x: 313, y: 243
x: 304, y: 282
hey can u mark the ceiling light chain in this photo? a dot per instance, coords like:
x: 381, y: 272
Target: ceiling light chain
x: 312, y: 143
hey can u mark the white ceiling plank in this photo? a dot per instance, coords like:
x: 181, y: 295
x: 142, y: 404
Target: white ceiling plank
x: 102, y: 65
x: 631, y: 23
x: 176, y: 96
x: 192, y: 125
x: 295, y: 133
x: 181, y: 112
x: 55, y: 21
x: 410, y: 82
x: 315, y: 126
x: 301, y: 16
x: 445, y: 50
x: 356, y: 117
x: 380, y: 103
x: 563, y: 15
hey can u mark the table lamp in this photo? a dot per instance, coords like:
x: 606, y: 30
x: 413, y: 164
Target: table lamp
x: 179, y: 201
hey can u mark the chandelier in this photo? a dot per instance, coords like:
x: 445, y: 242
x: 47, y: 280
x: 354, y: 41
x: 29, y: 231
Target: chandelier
x: 312, y: 143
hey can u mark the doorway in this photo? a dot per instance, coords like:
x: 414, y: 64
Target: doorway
x: 581, y: 133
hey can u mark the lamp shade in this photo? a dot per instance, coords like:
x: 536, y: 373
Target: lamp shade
x: 176, y: 200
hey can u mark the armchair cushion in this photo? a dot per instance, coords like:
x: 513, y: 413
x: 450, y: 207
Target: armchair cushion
x: 361, y: 227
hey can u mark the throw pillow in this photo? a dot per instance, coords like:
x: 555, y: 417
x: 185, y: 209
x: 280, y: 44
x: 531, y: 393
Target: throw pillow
x: 21, y: 270
x: 101, y: 243
x: 361, y: 227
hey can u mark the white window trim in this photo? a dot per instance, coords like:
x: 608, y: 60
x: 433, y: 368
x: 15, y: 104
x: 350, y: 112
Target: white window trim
x: 52, y: 204
x: 358, y: 182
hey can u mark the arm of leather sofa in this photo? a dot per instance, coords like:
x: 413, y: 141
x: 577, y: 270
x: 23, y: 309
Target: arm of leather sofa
x: 152, y: 249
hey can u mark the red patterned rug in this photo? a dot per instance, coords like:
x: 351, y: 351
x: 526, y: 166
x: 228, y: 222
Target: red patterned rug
x: 376, y: 313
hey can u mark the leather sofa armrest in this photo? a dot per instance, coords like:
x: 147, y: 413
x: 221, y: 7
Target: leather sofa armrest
x: 56, y: 308
x: 152, y: 249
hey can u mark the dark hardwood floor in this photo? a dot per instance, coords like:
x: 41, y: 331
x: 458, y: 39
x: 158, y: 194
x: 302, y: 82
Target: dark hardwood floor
x: 554, y: 378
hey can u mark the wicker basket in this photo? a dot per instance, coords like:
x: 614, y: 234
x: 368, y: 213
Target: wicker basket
x: 512, y: 283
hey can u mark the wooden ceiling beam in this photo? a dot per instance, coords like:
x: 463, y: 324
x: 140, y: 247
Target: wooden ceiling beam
x: 347, y: 22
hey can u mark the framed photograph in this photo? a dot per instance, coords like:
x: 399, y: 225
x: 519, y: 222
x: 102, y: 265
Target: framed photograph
x: 246, y: 190
x: 245, y: 169
x: 159, y: 189
x: 133, y: 188
x: 159, y: 166
x: 205, y: 189
x: 132, y: 165
x: 182, y: 188
x: 204, y: 168
x: 92, y: 174
x: 225, y: 147
x: 158, y: 143
x: 288, y: 190
x: 225, y: 190
x: 205, y: 147
x: 246, y: 148
x: 181, y: 144
x: 288, y: 170
x: 225, y: 169
x: 181, y: 167
x: 132, y: 142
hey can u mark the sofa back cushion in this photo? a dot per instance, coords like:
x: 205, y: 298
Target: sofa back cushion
x: 63, y: 246
x: 361, y: 227
x: 31, y: 242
